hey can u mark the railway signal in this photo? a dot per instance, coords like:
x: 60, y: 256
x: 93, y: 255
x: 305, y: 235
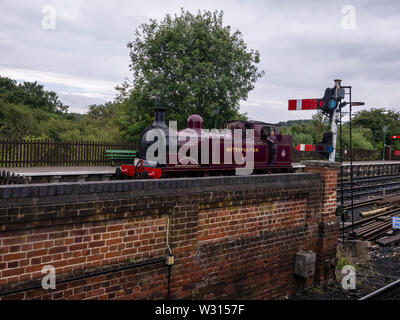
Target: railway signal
x: 304, y: 147
x: 324, y: 147
x: 331, y: 100
x: 321, y: 148
x: 329, y: 103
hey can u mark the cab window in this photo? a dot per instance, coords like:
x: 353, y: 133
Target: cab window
x: 265, y: 132
x: 246, y: 126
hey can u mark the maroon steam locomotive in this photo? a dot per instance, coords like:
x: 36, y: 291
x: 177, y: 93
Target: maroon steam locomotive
x: 215, y: 153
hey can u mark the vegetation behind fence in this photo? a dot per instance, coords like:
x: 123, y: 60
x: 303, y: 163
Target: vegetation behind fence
x: 362, y: 155
x: 358, y: 155
x: 21, y: 153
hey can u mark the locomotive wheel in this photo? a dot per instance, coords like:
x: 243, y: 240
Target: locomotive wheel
x: 136, y: 174
x: 145, y: 175
x: 118, y: 173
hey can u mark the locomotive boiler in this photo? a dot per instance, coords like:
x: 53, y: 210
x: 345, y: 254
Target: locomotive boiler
x: 165, y: 152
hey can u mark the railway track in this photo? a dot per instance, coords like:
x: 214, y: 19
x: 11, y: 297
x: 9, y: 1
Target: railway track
x: 369, y: 187
x: 388, y: 292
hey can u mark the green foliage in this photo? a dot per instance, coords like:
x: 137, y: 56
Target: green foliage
x: 342, y: 261
x: 22, y: 122
x: 362, y: 138
x: 16, y: 121
x: 311, y: 131
x: 307, y: 132
x: 77, y: 127
x: 30, y: 94
x: 27, y: 111
x: 290, y: 123
x: 195, y: 64
x: 376, y: 120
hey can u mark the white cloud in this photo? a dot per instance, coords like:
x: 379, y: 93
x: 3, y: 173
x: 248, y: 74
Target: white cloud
x: 303, y: 47
x: 87, y: 85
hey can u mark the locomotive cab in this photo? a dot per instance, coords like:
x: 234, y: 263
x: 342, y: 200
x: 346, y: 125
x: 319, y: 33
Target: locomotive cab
x: 261, y: 129
x: 262, y: 147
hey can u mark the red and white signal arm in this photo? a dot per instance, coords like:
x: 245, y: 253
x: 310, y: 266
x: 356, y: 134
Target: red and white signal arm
x: 395, y: 137
x: 304, y: 147
x: 305, y: 104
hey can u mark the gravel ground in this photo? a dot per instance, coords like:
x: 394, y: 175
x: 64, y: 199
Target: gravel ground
x: 375, y: 268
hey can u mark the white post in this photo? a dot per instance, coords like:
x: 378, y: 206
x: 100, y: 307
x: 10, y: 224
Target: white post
x: 334, y: 135
x: 332, y: 155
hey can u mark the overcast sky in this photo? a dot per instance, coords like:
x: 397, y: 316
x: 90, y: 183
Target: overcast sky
x: 304, y: 46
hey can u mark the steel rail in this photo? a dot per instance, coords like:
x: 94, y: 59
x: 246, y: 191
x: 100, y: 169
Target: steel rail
x: 381, y: 290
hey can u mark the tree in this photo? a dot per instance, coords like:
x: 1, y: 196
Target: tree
x: 104, y: 111
x: 30, y: 94
x: 376, y: 119
x: 195, y: 64
x: 312, y: 131
x: 306, y: 131
x: 16, y: 121
x: 27, y: 111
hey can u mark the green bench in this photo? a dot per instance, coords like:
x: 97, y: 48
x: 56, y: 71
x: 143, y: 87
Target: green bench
x: 121, y: 155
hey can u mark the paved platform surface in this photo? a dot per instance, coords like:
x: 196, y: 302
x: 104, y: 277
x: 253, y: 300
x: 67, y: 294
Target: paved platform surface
x: 65, y: 171
x: 59, y: 171
x: 362, y: 163
x: 358, y: 163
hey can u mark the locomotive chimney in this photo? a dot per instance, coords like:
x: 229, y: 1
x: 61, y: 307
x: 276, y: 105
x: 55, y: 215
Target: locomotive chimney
x: 159, y: 113
x: 159, y: 117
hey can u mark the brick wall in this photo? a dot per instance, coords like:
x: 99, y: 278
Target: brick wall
x: 231, y: 237
x: 328, y: 227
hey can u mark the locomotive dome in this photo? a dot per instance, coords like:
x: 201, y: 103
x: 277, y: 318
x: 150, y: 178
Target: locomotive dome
x: 195, y: 122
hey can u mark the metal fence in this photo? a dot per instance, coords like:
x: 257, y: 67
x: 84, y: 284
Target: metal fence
x: 362, y: 155
x: 22, y: 153
x: 358, y: 155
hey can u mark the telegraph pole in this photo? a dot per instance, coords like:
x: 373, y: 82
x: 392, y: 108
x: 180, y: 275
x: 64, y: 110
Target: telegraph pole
x: 384, y: 142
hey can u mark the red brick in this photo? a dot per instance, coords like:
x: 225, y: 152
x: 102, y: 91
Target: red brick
x: 58, y: 249
x: 14, y: 256
x: 95, y: 244
x: 76, y: 261
x: 79, y: 246
x: 12, y: 272
x: 38, y: 245
x: 36, y: 268
x: 36, y: 253
x: 37, y: 237
x: 75, y: 233
x: 113, y: 241
x: 16, y: 240
x: 115, y: 228
x: 95, y: 257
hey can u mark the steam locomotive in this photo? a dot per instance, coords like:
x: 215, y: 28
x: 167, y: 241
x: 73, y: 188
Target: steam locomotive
x: 196, y: 152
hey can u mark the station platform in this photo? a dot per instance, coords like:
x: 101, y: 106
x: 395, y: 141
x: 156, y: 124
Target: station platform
x: 39, y: 171
x: 63, y: 174
x: 106, y: 173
